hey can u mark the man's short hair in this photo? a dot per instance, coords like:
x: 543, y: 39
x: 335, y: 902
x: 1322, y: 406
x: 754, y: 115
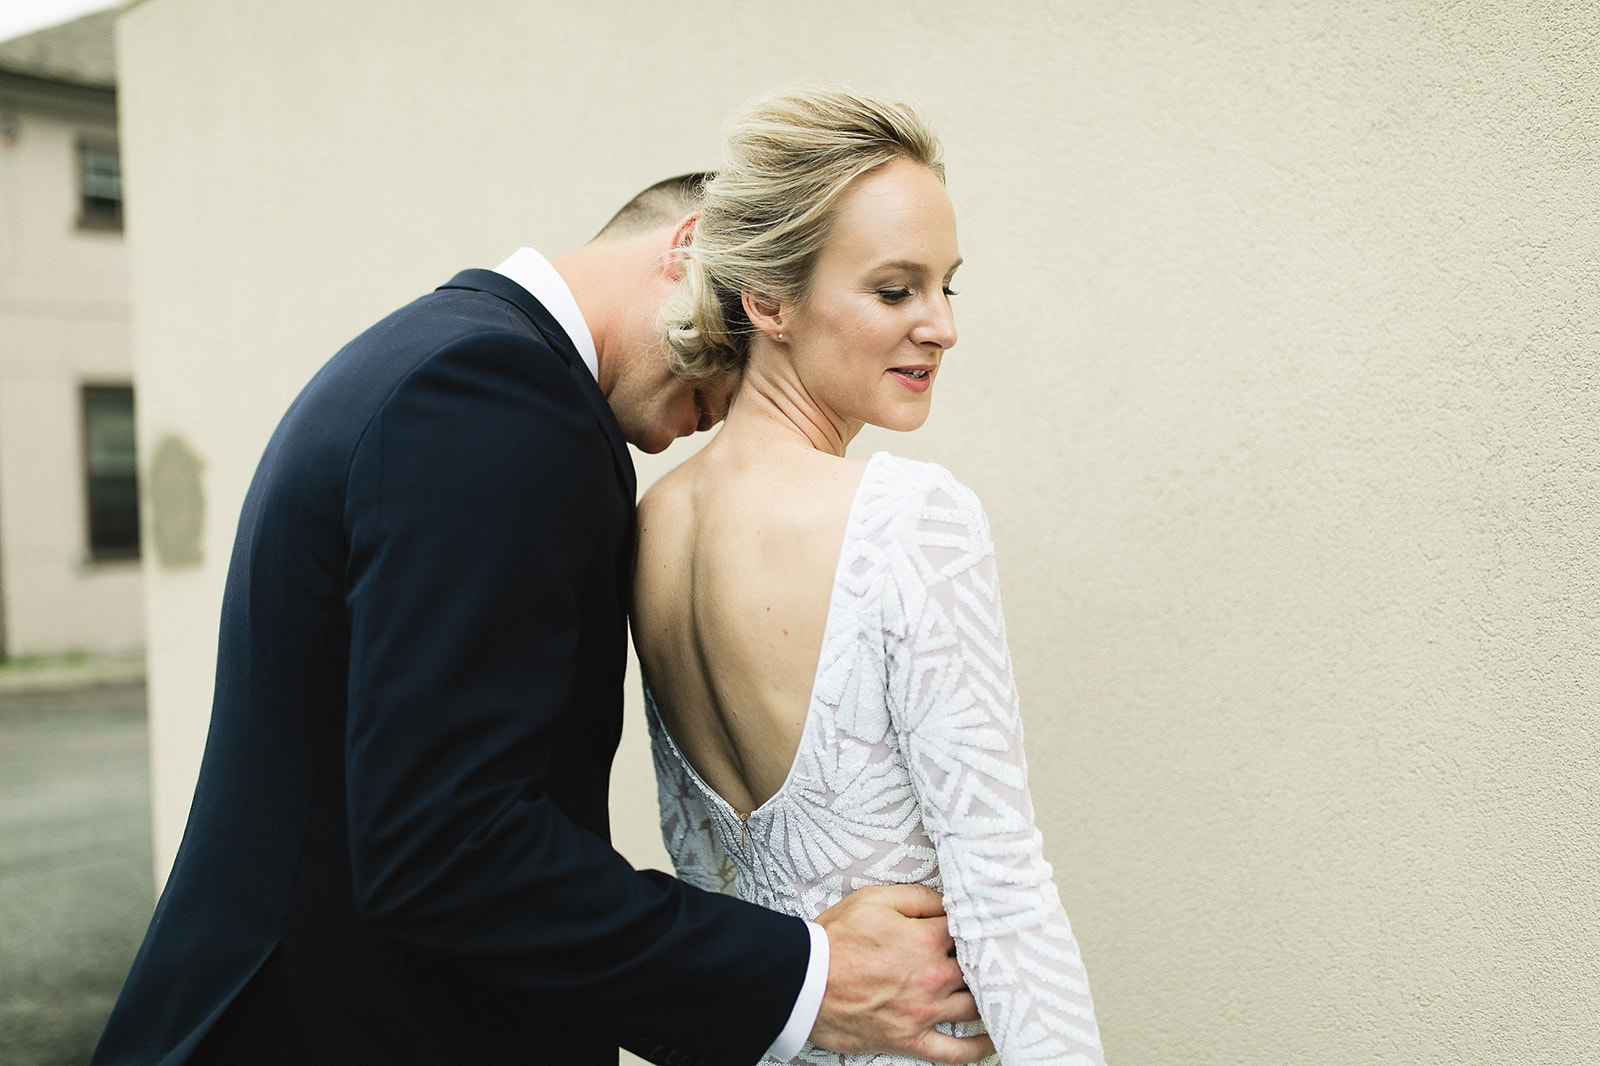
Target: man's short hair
x: 661, y: 204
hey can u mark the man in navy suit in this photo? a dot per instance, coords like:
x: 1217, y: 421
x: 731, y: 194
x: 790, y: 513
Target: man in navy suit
x: 398, y: 847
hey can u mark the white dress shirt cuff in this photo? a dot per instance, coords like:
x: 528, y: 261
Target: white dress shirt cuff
x: 804, y: 1015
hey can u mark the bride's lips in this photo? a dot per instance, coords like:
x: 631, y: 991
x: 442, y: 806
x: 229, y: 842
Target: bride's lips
x: 916, y: 377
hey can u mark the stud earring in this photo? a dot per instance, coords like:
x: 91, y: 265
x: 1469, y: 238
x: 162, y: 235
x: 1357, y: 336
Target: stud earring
x: 780, y: 336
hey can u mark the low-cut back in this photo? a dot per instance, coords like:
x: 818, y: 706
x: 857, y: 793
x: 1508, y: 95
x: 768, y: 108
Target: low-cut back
x: 909, y: 769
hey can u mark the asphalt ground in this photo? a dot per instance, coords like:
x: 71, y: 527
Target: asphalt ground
x: 76, y: 888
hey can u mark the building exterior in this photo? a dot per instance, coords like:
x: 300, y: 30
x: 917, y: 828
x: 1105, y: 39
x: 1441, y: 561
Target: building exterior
x: 70, y: 576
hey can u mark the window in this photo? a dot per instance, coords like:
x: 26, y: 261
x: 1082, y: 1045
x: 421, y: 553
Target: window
x: 99, y: 185
x: 111, y: 472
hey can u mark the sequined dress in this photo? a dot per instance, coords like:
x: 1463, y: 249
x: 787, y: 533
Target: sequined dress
x: 909, y: 769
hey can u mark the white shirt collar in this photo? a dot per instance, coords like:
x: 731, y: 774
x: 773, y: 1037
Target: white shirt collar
x: 533, y: 272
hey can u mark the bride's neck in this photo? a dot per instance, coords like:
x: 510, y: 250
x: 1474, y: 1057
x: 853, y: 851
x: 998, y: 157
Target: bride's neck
x: 775, y: 410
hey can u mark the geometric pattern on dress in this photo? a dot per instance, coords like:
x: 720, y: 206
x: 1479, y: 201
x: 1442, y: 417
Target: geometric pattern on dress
x: 910, y: 769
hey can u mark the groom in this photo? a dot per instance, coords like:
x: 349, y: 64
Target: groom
x: 398, y: 847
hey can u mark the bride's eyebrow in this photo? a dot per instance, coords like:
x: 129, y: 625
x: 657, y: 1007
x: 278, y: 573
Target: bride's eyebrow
x: 912, y: 267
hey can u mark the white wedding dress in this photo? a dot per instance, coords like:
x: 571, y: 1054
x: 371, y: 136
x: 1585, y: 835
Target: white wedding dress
x: 910, y: 769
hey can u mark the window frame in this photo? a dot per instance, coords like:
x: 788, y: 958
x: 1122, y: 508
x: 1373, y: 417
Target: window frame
x: 104, y: 549
x: 104, y: 218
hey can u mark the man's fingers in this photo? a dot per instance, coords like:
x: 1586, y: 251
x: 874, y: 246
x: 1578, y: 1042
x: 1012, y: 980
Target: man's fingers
x: 943, y: 978
x: 959, y: 1006
x: 913, y: 901
x: 955, y: 1049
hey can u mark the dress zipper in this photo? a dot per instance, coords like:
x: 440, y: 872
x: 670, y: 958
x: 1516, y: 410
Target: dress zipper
x: 744, y: 831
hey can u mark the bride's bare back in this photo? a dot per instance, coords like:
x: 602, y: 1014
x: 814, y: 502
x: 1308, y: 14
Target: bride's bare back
x: 735, y: 569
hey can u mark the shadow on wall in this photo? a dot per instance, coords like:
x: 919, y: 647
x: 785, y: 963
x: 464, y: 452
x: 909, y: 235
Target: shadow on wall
x: 177, y: 504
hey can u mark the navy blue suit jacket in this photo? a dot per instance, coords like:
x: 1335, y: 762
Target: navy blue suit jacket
x: 398, y: 848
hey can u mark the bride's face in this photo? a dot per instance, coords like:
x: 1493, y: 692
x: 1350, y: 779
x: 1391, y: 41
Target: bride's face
x: 867, y: 339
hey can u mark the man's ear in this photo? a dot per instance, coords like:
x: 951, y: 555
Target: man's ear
x: 764, y: 313
x: 682, y: 237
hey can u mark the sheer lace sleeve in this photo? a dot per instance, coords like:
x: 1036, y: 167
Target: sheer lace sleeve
x: 685, y: 823
x: 954, y: 706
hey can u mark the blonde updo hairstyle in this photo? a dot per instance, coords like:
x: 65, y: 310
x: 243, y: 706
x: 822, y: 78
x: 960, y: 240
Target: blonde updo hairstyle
x: 767, y: 213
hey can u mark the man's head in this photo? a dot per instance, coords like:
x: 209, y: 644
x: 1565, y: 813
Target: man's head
x: 663, y: 204
x: 619, y: 280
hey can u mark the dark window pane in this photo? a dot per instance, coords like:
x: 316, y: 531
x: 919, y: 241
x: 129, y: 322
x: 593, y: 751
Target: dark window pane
x: 111, y: 471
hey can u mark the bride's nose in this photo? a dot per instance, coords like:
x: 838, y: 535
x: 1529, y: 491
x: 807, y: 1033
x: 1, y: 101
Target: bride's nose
x: 938, y: 326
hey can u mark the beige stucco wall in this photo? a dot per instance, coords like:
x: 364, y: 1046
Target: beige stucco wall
x: 1278, y: 376
x: 63, y: 325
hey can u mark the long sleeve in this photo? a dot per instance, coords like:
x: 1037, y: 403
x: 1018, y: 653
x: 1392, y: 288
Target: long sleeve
x: 953, y: 703
x: 685, y: 823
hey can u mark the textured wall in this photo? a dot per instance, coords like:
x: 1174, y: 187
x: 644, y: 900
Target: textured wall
x: 1277, y: 376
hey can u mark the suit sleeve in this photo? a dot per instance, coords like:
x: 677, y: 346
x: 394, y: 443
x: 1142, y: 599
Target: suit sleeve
x: 953, y: 703
x: 472, y: 499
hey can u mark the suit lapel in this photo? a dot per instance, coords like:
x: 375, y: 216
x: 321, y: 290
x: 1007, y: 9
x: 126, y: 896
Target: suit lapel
x: 545, y: 324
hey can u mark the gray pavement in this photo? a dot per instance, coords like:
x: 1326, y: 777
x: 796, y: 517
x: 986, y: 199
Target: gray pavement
x: 75, y: 862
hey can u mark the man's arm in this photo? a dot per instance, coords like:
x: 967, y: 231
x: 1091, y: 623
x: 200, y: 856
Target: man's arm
x: 476, y: 508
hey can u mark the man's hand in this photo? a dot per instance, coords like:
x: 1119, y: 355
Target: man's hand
x: 892, y: 977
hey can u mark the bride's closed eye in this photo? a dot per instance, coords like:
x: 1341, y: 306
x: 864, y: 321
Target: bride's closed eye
x: 895, y: 296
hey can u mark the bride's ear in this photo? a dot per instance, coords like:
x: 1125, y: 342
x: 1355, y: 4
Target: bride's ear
x: 764, y: 313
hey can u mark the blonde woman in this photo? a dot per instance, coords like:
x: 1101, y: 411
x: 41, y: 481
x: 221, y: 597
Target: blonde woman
x: 830, y: 696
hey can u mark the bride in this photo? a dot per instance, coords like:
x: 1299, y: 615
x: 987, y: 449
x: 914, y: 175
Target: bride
x: 830, y: 697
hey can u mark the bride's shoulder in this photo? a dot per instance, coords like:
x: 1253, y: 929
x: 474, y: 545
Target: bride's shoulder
x: 668, y: 493
x: 917, y: 483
